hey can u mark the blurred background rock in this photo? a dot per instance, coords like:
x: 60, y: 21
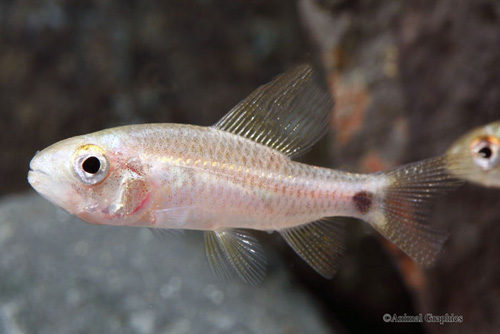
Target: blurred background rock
x: 408, y: 78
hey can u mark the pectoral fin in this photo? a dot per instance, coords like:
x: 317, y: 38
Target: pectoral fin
x: 320, y: 244
x: 175, y: 217
x: 234, y: 251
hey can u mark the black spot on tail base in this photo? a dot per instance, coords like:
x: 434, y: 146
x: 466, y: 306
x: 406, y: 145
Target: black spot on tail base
x: 363, y: 201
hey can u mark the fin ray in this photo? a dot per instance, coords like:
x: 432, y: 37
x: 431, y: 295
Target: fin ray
x: 407, y: 204
x: 288, y: 114
x: 320, y: 244
x: 235, y: 251
x: 172, y: 217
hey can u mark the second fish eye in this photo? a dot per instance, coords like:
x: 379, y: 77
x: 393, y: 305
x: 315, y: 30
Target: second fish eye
x: 486, y: 152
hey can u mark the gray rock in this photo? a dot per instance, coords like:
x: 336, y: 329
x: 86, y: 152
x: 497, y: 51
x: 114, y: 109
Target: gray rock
x: 60, y: 275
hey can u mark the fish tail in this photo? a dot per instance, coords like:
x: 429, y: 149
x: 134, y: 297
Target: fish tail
x: 405, y: 204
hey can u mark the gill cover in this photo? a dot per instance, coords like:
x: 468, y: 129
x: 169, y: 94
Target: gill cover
x: 116, y: 186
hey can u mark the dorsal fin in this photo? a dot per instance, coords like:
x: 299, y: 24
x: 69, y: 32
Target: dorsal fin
x: 288, y: 114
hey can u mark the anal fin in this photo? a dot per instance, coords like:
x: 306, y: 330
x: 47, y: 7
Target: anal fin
x: 235, y: 251
x: 320, y: 244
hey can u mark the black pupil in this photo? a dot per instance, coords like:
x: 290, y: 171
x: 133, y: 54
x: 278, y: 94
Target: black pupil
x: 91, y: 165
x: 486, y: 152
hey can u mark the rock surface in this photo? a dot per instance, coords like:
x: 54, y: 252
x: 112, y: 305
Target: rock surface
x: 60, y: 275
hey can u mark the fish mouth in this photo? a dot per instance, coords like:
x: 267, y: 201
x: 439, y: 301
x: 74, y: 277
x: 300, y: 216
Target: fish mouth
x: 36, y: 174
x: 43, y: 184
x: 36, y: 171
x: 35, y: 177
x: 35, y: 165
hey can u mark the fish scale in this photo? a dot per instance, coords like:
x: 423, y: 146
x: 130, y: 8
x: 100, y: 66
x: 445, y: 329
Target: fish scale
x: 249, y: 185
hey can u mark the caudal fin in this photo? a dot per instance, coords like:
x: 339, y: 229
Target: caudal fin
x: 405, y: 207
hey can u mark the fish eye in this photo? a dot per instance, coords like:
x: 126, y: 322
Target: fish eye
x: 90, y: 164
x: 486, y: 152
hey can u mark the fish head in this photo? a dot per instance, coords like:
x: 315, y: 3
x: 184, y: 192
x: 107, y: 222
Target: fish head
x: 97, y: 177
x: 478, y: 155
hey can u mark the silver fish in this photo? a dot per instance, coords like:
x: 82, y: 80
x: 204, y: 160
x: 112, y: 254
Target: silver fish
x: 238, y: 176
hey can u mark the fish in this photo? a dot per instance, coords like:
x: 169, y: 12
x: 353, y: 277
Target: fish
x: 239, y: 175
x: 479, y: 154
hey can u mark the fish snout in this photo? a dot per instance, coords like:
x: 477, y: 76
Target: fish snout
x: 39, y: 169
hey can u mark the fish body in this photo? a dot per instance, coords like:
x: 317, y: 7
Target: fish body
x: 202, y: 178
x: 238, y: 175
x: 479, y: 154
